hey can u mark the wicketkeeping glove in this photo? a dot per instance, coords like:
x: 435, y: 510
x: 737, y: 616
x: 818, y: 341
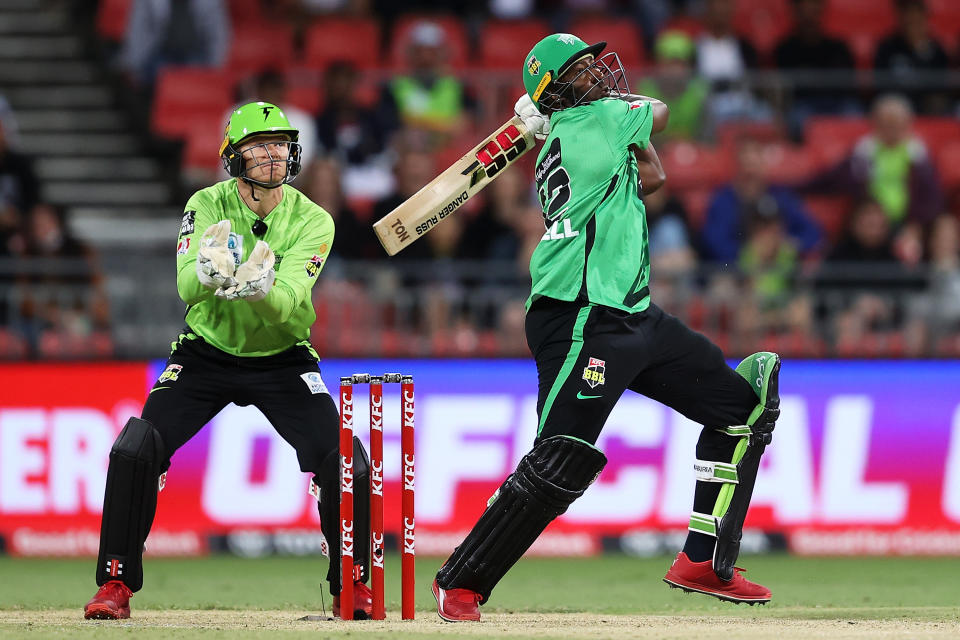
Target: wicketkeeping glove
x: 537, y: 123
x: 215, y: 264
x: 254, y: 277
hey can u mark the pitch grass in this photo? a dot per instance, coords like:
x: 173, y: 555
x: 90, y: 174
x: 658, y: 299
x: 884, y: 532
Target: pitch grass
x: 211, y: 597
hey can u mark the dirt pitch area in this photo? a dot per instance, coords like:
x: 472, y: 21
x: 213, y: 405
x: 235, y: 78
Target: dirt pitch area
x: 253, y: 624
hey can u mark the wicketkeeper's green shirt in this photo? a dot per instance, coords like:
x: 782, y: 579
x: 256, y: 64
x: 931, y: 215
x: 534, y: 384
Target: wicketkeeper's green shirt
x: 299, y: 232
x: 595, y: 245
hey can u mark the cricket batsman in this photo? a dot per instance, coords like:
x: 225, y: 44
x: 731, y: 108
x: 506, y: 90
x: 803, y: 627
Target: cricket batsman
x: 595, y: 333
x: 249, y: 251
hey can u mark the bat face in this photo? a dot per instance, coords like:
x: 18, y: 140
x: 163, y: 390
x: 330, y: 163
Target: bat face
x: 447, y: 192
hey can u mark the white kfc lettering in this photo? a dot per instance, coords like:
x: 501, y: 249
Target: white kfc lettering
x: 408, y: 537
x: 376, y: 477
x: 346, y: 540
x: 346, y: 475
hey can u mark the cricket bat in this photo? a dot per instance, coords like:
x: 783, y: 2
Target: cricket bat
x: 447, y: 192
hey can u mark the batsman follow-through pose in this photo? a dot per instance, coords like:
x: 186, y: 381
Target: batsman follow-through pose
x: 249, y: 252
x: 594, y: 333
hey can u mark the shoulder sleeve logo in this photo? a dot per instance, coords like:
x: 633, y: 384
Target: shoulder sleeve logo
x: 312, y: 266
x: 187, y: 224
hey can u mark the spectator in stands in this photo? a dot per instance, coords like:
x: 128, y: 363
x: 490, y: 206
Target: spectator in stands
x: 913, y: 57
x: 671, y: 252
x: 355, y: 239
x: 61, y: 286
x: 944, y: 292
x: 19, y: 191
x: 725, y: 59
x: 8, y: 120
x: 174, y: 32
x: 751, y: 194
x: 770, y: 262
x: 271, y: 86
x: 807, y: 52
x: 354, y: 134
x: 427, y: 96
x: 494, y: 232
x: 675, y: 82
x: 891, y: 166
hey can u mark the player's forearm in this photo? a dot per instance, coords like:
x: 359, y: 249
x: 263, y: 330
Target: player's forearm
x: 189, y: 287
x: 659, y: 109
x: 278, y: 305
x: 652, y: 175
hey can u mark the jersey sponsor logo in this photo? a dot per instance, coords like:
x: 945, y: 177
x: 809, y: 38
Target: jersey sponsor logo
x: 183, y: 246
x: 533, y: 65
x: 593, y: 373
x: 553, y: 184
x: 312, y: 266
x: 447, y: 209
x: 560, y: 230
x: 187, y: 224
x: 314, y: 382
x: 171, y: 373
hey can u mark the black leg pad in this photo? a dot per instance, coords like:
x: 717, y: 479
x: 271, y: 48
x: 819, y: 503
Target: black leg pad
x: 328, y: 480
x: 129, y: 502
x: 548, y: 479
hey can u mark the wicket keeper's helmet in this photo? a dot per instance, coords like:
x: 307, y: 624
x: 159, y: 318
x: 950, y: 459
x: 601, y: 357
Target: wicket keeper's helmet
x: 257, y: 119
x: 552, y: 56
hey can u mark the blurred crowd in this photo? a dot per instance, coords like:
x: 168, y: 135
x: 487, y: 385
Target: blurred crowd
x: 846, y: 244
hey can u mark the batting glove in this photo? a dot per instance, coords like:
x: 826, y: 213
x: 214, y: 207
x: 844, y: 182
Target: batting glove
x: 535, y: 122
x: 254, y: 278
x: 215, y: 264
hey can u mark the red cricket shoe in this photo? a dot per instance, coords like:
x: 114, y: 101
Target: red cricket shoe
x: 457, y: 605
x: 111, y: 602
x: 362, y: 602
x: 700, y: 577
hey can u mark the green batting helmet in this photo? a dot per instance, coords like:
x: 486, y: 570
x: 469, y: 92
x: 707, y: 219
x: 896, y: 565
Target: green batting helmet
x: 550, y: 57
x: 257, y: 119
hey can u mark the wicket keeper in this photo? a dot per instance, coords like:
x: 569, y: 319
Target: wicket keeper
x: 249, y: 251
x: 594, y: 334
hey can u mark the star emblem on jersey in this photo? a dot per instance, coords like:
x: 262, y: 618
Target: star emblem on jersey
x: 593, y: 372
x: 566, y: 38
x: 533, y: 66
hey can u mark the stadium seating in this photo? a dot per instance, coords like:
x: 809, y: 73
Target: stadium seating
x: 621, y: 36
x: 830, y: 212
x: 763, y: 22
x: 201, y: 144
x: 505, y: 45
x: 861, y: 23
x: 331, y: 39
x: 831, y: 138
x: 690, y: 165
x: 458, y: 44
x: 112, y: 16
x: 256, y: 48
x: 245, y: 12
x: 948, y: 165
x: 188, y: 95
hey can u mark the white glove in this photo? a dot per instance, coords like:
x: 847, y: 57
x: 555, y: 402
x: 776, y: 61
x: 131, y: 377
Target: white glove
x: 215, y: 264
x: 254, y: 277
x: 536, y: 123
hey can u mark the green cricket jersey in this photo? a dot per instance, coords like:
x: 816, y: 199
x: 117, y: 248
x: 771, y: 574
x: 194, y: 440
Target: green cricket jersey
x: 299, y: 232
x: 595, y: 247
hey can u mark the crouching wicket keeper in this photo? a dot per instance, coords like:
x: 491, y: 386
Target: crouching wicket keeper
x: 249, y: 252
x: 595, y: 334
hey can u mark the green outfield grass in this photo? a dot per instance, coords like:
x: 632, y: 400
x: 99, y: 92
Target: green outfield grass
x: 50, y: 593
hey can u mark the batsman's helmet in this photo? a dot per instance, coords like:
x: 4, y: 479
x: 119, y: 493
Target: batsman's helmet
x: 552, y: 56
x: 257, y: 119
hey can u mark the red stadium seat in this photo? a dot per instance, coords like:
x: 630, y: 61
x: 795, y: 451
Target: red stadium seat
x: 789, y: 164
x: 186, y: 95
x: 831, y: 138
x: 305, y: 96
x: 831, y: 212
x: 330, y: 39
x: 245, y: 12
x: 621, y: 36
x: 689, y: 165
x: 504, y: 45
x: 936, y: 132
x: 202, y: 144
x: 763, y: 22
x: 256, y: 48
x: 862, y: 23
x: 457, y: 44
x: 112, y: 16
x: 695, y: 201
x: 948, y: 165
x: 945, y: 23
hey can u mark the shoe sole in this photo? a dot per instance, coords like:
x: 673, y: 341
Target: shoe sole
x: 719, y: 596
x: 102, y: 612
x: 436, y: 596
